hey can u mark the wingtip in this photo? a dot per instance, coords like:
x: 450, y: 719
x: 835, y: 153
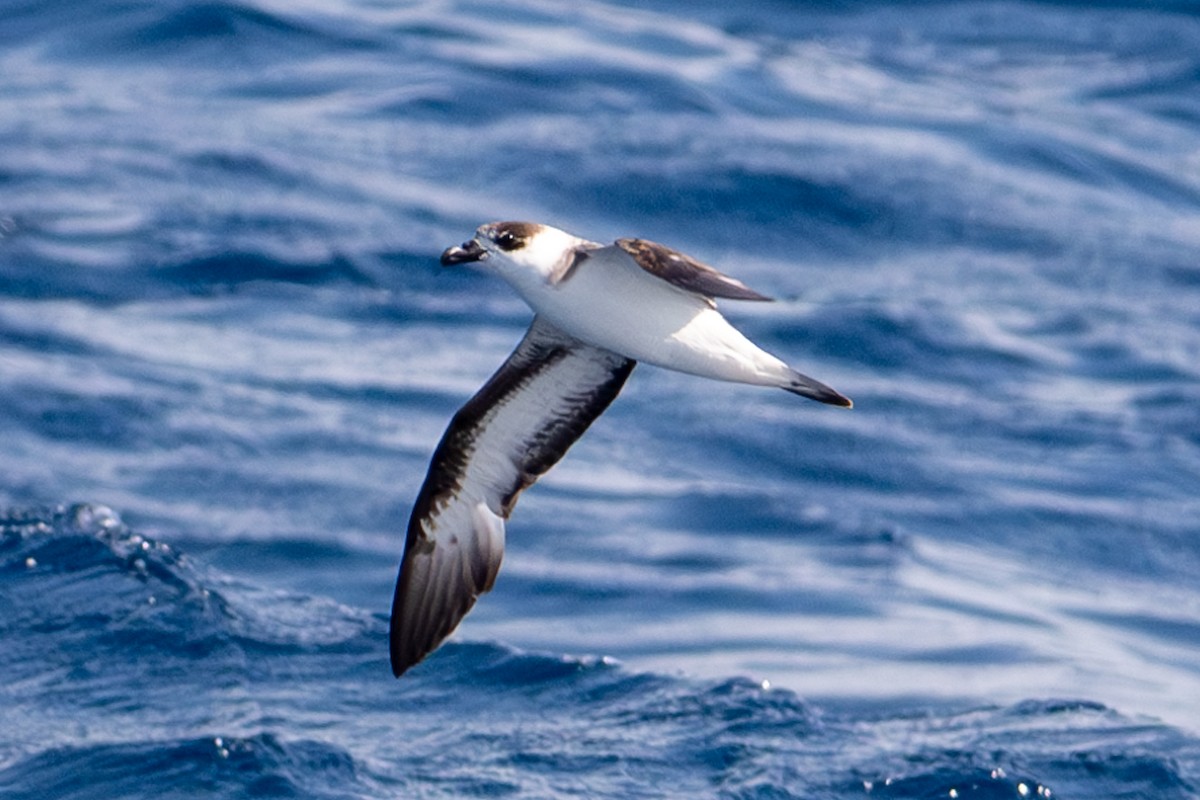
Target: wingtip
x: 398, y: 664
x: 406, y: 654
x: 736, y: 290
x: 399, y: 661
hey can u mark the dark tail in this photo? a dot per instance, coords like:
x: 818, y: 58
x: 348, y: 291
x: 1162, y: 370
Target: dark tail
x: 815, y: 390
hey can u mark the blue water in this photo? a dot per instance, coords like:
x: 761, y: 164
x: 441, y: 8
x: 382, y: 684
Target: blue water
x: 227, y: 352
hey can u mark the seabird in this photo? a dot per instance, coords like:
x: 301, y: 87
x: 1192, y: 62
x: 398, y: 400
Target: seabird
x: 598, y: 311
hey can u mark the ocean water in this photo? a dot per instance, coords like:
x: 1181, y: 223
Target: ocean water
x: 227, y: 351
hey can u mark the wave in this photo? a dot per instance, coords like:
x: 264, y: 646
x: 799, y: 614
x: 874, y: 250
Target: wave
x: 129, y: 666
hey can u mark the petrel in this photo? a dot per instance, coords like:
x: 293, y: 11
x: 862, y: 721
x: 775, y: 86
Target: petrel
x: 599, y: 309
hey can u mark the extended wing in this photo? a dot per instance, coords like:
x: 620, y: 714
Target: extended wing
x: 685, y: 272
x: 513, y: 430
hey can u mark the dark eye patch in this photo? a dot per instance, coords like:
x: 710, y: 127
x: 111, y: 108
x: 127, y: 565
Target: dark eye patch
x: 510, y: 236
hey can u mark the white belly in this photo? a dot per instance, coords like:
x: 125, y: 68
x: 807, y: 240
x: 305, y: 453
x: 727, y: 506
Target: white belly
x: 621, y: 308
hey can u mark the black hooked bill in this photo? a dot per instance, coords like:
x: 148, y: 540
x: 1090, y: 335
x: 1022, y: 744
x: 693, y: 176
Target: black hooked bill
x: 464, y: 253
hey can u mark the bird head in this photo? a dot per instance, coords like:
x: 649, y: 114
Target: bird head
x: 517, y: 251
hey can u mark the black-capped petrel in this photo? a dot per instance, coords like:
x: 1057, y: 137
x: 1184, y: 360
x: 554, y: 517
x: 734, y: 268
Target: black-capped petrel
x: 598, y: 311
